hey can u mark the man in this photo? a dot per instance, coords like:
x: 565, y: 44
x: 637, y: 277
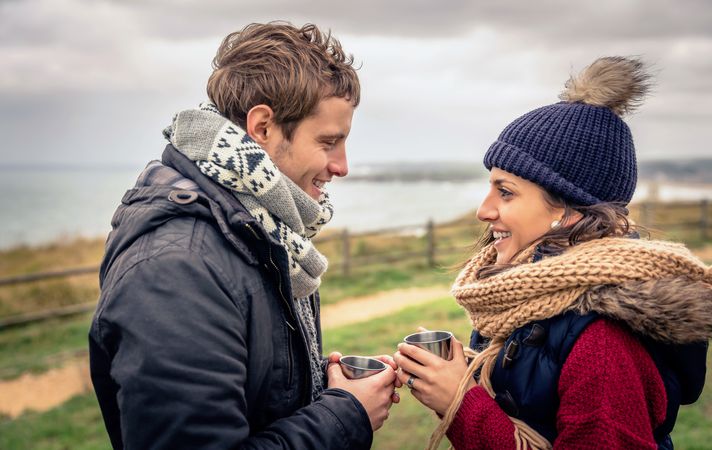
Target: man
x: 207, y: 330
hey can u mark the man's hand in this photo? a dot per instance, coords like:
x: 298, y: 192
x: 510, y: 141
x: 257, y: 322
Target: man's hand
x: 388, y: 359
x: 375, y: 393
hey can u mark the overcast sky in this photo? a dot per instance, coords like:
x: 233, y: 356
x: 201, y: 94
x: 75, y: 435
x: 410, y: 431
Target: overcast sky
x: 85, y: 82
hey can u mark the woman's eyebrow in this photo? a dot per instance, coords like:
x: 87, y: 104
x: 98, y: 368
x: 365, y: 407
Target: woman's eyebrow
x: 500, y: 181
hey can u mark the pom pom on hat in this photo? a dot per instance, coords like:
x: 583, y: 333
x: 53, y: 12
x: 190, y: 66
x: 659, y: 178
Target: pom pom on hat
x: 579, y: 149
x: 613, y: 82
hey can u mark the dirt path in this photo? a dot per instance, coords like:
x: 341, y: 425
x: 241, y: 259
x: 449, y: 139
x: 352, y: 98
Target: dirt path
x: 41, y: 392
x: 382, y: 304
x: 44, y: 391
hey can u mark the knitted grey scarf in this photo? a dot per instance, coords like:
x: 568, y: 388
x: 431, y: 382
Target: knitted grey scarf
x: 224, y: 152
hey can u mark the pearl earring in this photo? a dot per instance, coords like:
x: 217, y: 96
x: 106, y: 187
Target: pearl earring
x: 555, y: 224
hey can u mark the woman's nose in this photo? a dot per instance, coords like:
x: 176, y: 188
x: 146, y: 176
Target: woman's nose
x: 487, y: 212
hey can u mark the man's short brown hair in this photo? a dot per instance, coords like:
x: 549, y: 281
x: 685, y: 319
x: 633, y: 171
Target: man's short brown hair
x: 286, y: 68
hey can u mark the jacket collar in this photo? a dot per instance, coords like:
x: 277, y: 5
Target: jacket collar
x: 151, y: 203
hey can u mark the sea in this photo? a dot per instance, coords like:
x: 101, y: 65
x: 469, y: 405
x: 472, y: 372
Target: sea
x: 46, y: 205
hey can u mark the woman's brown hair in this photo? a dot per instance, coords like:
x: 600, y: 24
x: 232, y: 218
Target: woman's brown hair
x: 597, y: 221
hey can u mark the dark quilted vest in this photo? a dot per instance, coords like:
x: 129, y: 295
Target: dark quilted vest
x: 526, y: 375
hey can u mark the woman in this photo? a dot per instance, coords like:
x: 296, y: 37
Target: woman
x: 584, y: 334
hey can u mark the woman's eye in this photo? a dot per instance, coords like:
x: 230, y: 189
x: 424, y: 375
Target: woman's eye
x: 504, y: 193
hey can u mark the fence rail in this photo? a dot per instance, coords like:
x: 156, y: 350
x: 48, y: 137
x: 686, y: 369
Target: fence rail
x: 41, y: 276
x: 53, y: 313
x: 436, y: 242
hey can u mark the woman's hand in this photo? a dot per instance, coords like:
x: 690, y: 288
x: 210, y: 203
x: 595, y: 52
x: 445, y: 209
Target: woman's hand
x: 436, y: 379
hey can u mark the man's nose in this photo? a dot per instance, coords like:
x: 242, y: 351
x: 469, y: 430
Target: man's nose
x: 338, y: 165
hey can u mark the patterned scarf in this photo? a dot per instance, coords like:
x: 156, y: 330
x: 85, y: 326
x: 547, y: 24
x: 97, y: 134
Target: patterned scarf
x: 224, y: 152
x: 532, y: 291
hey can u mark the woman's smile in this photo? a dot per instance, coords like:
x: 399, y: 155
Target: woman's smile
x: 501, y: 239
x: 517, y: 213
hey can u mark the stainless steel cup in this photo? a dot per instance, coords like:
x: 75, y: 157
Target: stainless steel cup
x: 355, y: 367
x: 437, y: 342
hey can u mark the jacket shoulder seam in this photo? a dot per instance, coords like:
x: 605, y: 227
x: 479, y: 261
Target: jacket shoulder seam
x: 155, y: 255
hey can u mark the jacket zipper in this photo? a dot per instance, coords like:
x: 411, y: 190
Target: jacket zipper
x: 279, y: 279
x: 290, y: 365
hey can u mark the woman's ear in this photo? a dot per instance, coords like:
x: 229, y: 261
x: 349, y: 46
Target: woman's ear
x: 260, y: 124
x: 562, y: 219
x: 572, y: 219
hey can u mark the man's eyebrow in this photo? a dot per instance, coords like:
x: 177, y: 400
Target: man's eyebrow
x: 332, y: 137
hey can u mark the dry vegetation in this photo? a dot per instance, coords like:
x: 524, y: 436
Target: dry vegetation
x: 376, y: 259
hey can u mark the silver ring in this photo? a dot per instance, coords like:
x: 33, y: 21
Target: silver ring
x: 410, y: 382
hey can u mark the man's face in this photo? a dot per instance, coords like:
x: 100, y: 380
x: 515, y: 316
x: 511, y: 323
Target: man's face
x: 317, y: 151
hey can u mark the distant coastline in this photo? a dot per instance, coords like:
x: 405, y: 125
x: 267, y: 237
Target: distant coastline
x: 689, y: 171
x: 60, y: 203
x: 686, y: 171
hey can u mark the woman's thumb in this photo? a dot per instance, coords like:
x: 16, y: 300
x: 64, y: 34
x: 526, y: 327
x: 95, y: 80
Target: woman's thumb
x: 457, y: 349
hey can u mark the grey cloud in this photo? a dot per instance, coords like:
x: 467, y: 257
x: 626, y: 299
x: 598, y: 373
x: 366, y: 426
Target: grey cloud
x: 555, y: 20
x: 96, y: 81
x: 83, y: 42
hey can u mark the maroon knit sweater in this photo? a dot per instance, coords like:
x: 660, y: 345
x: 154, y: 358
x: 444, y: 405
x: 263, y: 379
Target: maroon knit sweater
x: 611, y: 396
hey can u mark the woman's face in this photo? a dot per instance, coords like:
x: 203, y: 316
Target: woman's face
x: 517, y: 213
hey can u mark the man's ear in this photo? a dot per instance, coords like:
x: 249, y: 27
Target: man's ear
x: 260, y: 124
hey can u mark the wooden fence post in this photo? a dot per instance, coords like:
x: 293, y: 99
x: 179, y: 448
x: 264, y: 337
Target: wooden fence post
x: 646, y: 213
x: 345, y: 253
x: 430, y: 243
x: 704, y: 222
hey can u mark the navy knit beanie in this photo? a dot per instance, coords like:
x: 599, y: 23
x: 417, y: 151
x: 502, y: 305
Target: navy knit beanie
x: 579, y: 149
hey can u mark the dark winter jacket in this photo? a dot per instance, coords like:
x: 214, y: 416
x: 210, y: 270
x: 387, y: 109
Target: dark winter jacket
x: 195, y: 342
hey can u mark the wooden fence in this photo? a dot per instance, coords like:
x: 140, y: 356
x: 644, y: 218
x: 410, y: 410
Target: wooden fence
x: 686, y: 215
x: 421, y: 242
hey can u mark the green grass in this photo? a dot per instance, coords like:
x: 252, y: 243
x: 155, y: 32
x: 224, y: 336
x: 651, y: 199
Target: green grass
x: 410, y: 424
x: 693, y: 430
x: 34, y: 347
x: 77, y: 424
x: 381, y: 335
x: 337, y: 287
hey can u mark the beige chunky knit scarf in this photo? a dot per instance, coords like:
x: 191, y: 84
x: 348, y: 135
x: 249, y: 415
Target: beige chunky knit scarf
x: 573, y: 280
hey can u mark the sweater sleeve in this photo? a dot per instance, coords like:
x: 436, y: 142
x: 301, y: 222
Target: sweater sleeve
x: 611, y: 396
x: 480, y: 424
